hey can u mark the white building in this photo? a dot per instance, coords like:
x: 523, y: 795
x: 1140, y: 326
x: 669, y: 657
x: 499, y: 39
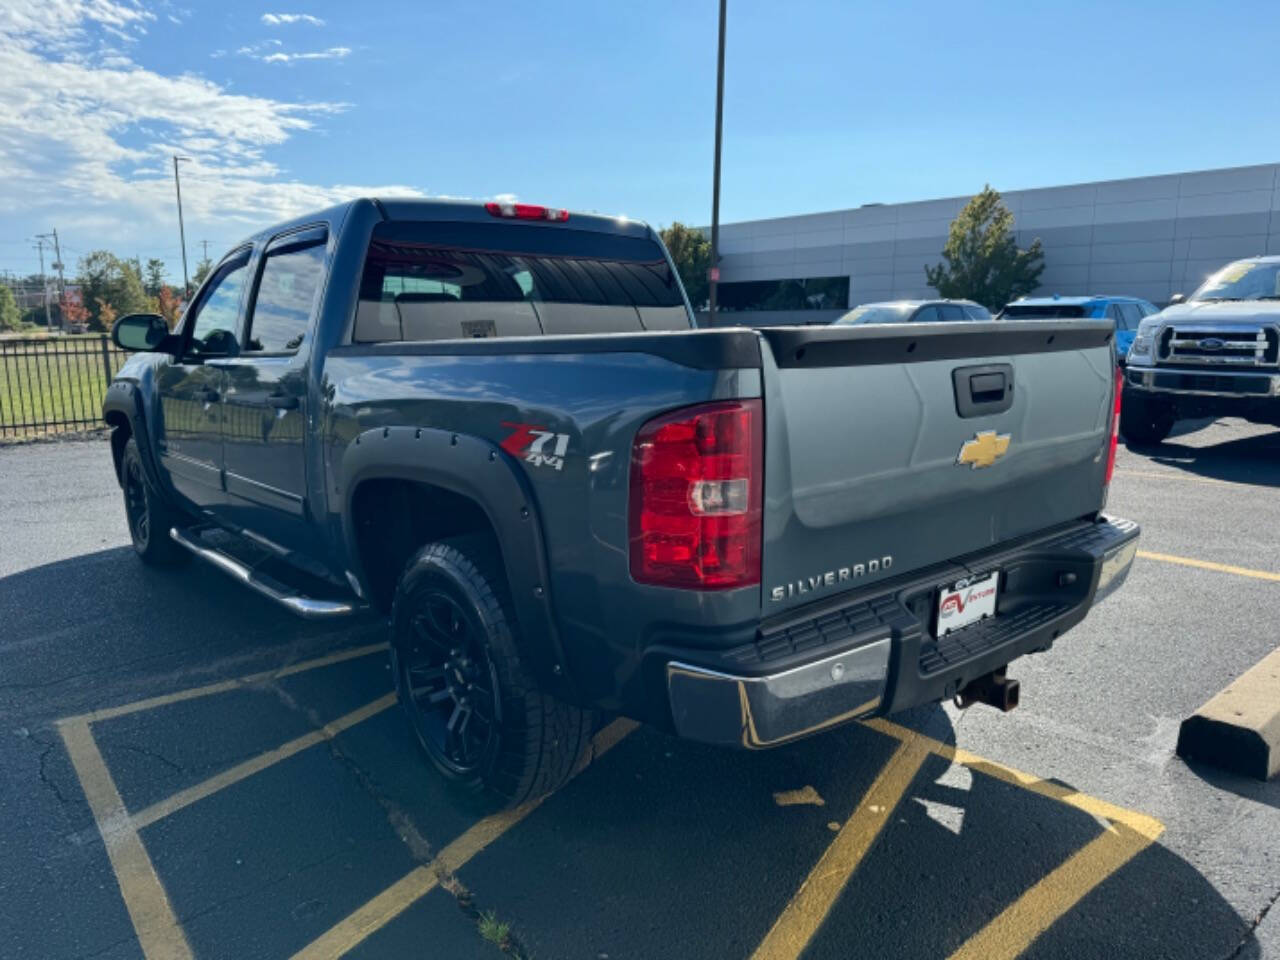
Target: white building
x: 1148, y: 237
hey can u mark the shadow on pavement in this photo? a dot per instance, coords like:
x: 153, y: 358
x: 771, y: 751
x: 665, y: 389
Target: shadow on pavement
x: 1253, y: 459
x: 102, y: 628
x: 662, y: 848
x: 672, y: 849
x: 1259, y: 791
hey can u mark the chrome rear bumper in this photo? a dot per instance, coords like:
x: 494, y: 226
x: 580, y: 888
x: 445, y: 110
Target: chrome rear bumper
x: 766, y: 711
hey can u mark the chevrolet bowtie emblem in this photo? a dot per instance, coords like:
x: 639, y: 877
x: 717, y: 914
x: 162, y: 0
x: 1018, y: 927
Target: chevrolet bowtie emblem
x: 983, y: 450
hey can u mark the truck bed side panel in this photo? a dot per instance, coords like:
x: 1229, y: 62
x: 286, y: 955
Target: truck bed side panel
x: 597, y: 401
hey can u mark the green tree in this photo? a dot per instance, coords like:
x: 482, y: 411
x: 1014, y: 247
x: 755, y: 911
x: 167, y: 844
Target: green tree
x: 131, y: 297
x: 10, y: 315
x: 983, y: 260
x: 202, y: 271
x: 153, y: 277
x: 691, y: 252
x: 107, y: 281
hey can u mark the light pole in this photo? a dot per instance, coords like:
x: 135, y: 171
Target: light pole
x: 714, y: 273
x: 182, y: 233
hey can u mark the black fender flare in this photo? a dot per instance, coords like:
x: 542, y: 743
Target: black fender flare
x: 124, y: 399
x: 480, y: 471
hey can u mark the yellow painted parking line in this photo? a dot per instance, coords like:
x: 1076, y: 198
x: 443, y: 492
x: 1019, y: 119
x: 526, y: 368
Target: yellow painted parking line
x: 1010, y: 933
x: 158, y: 930
x: 1210, y: 565
x: 371, y: 917
x: 397, y: 898
x: 818, y: 893
x: 1140, y: 823
x: 225, y: 686
x: 241, y: 771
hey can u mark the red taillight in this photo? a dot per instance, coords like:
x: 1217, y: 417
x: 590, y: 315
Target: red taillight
x: 1115, y: 428
x: 526, y: 211
x: 696, y: 479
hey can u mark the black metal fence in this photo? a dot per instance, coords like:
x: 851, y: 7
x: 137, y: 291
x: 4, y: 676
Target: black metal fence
x: 55, y: 384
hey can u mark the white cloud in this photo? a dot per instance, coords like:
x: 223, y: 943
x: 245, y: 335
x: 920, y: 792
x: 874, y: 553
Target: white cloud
x: 255, y: 49
x: 86, y: 132
x: 333, y: 53
x: 278, y: 19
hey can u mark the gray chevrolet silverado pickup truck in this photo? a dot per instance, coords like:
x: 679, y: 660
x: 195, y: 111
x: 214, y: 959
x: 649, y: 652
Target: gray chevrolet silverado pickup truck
x: 495, y: 425
x: 1216, y: 354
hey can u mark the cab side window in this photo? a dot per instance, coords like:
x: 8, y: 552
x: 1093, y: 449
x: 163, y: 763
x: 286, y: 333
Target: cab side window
x: 217, y: 314
x: 290, y: 277
x: 1132, y: 316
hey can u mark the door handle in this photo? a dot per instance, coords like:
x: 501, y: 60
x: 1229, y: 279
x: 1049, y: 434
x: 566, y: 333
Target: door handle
x: 984, y: 390
x: 282, y: 401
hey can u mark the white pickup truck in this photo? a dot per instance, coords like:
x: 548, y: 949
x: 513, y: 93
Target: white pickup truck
x: 1215, y: 354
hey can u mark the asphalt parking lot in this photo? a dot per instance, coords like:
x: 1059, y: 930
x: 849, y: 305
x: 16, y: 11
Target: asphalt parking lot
x: 189, y: 772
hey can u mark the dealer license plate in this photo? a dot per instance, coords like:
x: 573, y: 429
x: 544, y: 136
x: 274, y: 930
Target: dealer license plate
x: 966, y: 602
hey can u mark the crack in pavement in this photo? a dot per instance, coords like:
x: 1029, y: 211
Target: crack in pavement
x: 46, y: 749
x: 154, y: 755
x: 1253, y: 926
x: 420, y: 848
x: 399, y: 819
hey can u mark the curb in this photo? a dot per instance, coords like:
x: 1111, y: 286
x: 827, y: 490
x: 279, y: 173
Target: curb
x: 1239, y: 728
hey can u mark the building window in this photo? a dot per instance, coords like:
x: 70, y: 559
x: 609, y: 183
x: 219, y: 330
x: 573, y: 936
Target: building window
x: 815, y: 293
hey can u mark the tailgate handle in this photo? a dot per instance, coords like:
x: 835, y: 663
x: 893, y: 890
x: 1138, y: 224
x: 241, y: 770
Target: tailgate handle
x: 983, y: 390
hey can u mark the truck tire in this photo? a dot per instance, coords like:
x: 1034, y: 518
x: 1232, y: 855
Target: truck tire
x: 475, y: 711
x: 150, y: 517
x: 1145, y: 421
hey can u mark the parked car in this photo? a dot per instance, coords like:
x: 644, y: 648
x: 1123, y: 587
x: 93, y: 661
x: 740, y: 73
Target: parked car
x: 915, y: 311
x: 1216, y: 354
x: 495, y: 425
x: 1124, y: 312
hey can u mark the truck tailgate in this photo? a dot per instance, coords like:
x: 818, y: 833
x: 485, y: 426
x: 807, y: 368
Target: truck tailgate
x: 891, y: 448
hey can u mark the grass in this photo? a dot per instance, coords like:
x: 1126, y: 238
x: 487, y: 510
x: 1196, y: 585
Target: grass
x: 494, y: 930
x: 52, y: 385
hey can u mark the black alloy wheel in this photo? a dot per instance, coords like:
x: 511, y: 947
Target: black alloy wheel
x: 135, y: 504
x: 452, y: 684
x: 149, y: 515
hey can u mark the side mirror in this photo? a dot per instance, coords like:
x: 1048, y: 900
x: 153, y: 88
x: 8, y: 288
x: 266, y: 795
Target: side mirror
x: 1177, y: 298
x: 141, y: 331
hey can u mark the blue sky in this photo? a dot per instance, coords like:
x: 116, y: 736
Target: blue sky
x: 602, y: 106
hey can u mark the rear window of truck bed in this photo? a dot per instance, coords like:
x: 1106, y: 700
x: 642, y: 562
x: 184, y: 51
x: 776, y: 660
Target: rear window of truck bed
x: 447, y: 280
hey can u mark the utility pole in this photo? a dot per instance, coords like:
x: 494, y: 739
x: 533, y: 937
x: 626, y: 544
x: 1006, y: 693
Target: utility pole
x: 182, y: 233
x: 714, y: 272
x: 44, y: 283
x: 204, y: 247
x: 62, y: 283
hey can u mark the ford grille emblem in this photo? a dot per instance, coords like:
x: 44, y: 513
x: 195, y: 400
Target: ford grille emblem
x: 1212, y: 343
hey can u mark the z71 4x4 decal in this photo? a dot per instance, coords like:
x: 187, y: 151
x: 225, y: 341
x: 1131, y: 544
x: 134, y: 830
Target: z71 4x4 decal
x: 535, y: 445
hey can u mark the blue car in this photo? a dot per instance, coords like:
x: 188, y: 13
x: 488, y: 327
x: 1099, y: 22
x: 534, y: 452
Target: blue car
x: 1126, y: 312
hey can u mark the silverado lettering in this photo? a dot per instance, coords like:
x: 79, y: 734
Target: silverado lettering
x: 830, y: 578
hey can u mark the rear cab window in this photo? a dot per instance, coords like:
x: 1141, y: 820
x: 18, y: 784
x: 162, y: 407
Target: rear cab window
x: 456, y: 280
